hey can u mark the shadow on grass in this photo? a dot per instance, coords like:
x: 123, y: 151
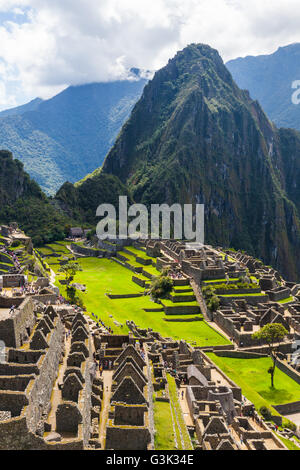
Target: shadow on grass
x: 274, y: 395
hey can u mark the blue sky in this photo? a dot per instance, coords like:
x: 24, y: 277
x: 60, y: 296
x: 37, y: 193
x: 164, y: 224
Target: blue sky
x: 46, y: 45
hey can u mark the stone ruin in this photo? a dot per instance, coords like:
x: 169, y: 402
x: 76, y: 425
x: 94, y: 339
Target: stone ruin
x: 49, y: 390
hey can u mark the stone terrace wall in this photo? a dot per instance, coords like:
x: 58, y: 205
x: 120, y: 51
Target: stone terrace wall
x: 15, y: 436
x: 85, y: 251
x: 292, y: 373
x: 132, y: 439
x: 288, y: 408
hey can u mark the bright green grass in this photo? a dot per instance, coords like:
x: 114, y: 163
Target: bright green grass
x: 103, y: 276
x: 151, y: 270
x: 164, y: 435
x: 136, y: 251
x: 180, y: 419
x: 289, y: 444
x: 59, y: 247
x: 286, y: 301
x: 252, y: 376
x: 10, y: 265
x: 169, y: 303
x: 219, y: 281
x: 139, y: 253
x: 130, y: 259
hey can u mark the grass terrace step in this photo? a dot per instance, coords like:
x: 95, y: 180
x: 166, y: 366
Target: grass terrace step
x: 286, y: 301
x: 103, y: 276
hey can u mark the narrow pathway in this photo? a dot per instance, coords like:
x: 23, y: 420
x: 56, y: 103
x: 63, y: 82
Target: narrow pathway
x: 200, y: 300
x: 52, y: 276
x: 184, y: 406
x: 107, y: 383
x: 177, y: 423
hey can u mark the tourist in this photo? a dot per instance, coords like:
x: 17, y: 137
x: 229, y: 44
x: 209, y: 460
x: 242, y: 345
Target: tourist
x: 12, y: 309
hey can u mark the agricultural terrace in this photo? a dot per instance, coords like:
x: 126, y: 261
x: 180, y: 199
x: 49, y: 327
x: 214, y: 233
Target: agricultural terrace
x: 104, y: 276
x: 252, y: 376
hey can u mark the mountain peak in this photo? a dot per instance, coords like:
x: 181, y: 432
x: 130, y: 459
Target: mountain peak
x: 195, y: 137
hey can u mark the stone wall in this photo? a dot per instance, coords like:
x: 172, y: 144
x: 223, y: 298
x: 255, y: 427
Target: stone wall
x: 85, y: 251
x: 239, y: 354
x: 252, y: 300
x: 182, y: 310
x: 40, y: 394
x: 292, y: 373
x: 46, y: 298
x: 15, y: 329
x: 288, y: 408
x: 133, y: 439
x: 7, y: 302
x: 13, y: 280
x: 15, y: 436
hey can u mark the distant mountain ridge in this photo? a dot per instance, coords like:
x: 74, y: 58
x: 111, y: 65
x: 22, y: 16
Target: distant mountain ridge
x: 19, y: 110
x: 68, y: 136
x: 269, y: 79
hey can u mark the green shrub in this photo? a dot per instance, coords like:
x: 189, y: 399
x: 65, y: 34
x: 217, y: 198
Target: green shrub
x: 213, y: 303
x: 289, y: 425
x: 73, y: 298
x: 266, y: 413
x: 161, y: 287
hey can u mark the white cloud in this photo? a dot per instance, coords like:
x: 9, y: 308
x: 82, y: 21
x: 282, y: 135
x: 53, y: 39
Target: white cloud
x: 55, y: 43
x: 6, y: 100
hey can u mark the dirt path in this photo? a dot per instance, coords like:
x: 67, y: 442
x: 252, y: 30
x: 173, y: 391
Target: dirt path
x: 52, y: 276
x: 107, y: 383
x: 184, y: 406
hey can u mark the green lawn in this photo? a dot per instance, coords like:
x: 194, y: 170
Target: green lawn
x: 286, y: 301
x: 178, y: 415
x: 252, y: 376
x: 169, y: 303
x: 140, y: 253
x: 289, y: 444
x: 169, y: 423
x: 164, y: 436
x: 130, y: 259
x: 151, y: 270
x: 103, y: 276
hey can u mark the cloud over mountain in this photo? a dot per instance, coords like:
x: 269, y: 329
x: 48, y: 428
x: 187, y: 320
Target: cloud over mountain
x: 45, y: 46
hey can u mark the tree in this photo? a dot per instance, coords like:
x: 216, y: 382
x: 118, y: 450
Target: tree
x: 212, y: 300
x: 161, y: 286
x: 271, y: 333
x: 70, y: 270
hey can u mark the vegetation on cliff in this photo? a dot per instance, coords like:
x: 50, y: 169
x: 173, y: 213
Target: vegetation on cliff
x: 22, y: 200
